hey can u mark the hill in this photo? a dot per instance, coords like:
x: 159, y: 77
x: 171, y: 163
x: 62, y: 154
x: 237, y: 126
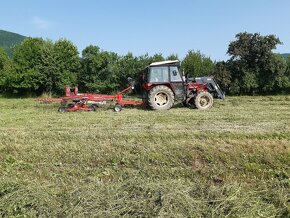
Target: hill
x: 285, y: 55
x: 8, y: 40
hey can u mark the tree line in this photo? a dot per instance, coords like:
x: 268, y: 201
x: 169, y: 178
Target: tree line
x: 42, y: 66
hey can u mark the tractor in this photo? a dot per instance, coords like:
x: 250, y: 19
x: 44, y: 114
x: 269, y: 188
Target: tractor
x: 162, y: 85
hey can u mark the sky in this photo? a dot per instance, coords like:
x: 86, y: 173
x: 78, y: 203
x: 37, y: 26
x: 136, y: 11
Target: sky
x: 149, y: 26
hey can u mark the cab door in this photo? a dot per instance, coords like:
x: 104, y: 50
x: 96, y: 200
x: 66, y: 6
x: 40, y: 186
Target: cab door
x: 177, y: 83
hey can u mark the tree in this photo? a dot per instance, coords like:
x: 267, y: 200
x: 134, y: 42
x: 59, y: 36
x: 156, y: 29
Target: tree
x: 5, y: 69
x: 145, y: 60
x: 42, y: 66
x: 196, y: 64
x: 281, y: 81
x: 48, y: 68
x: 222, y: 75
x: 27, y: 77
x: 88, y: 73
x: 172, y: 57
x: 253, y: 63
x: 3, y: 59
x: 127, y: 66
x: 156, y: 58
x: 106, y: 72
x: 287, y: 73
x: 67, y: 64
x: 98, y: 70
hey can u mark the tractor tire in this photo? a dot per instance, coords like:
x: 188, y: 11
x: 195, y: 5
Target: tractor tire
x: 203, y: 100
x: 161, y: 98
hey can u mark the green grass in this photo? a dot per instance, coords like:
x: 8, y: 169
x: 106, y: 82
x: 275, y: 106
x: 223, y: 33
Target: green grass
x: 230, y: 161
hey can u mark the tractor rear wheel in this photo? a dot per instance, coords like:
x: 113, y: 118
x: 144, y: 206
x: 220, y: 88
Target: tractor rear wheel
x: 203, y: 100
x: 161, y: 98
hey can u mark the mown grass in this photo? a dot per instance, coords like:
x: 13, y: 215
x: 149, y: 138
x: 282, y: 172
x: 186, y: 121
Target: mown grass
x: 230, y: 161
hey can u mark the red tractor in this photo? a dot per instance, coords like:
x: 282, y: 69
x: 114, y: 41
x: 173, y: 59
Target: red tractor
x: 162, y: 85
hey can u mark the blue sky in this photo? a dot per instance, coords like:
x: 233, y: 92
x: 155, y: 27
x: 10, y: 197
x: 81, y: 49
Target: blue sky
x: 149, y: 26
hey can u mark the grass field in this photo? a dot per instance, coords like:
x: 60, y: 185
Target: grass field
x: 230, y: 161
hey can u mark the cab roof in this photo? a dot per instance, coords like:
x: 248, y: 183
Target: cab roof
x: 164, y: 62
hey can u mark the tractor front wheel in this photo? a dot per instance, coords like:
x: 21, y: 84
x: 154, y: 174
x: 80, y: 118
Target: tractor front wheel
x: 203, y: 100
x: 161, y: 98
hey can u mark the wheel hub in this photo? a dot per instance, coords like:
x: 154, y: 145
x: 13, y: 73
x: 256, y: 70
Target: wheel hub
x: 161, y: 99
x: 204, y: 101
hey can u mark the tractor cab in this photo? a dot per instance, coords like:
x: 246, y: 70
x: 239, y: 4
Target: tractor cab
x: 165, y: 73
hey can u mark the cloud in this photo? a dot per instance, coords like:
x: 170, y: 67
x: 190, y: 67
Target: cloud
x: 40, y: 23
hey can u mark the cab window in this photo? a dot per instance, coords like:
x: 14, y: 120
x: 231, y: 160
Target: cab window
x: 174, y: 74
x: 159, y: 74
